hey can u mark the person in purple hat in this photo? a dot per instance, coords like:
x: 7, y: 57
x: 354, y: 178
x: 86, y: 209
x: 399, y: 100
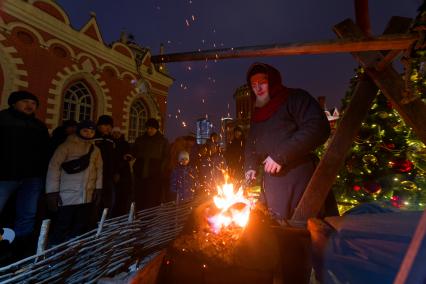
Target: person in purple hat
x: 287, y: 125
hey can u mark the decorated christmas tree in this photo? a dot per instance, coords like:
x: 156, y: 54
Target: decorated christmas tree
x: 387, y: 162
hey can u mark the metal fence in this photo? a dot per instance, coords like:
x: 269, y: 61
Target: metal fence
x: 113, y: 247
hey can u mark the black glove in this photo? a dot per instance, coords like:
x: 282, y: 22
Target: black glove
x: 53, y: 200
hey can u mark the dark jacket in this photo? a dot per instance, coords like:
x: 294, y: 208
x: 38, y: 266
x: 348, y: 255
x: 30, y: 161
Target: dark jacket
x: 109, y: 156
x: 151, y: 153
x: 24, y: 144
x: 122, y: 147
x: 289, y: 136
x: 234, y: 156
x: 182, y: 182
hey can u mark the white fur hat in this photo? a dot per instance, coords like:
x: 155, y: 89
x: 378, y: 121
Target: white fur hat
x: 183, y: 155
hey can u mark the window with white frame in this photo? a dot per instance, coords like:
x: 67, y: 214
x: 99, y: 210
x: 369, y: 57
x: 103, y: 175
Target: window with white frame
x: 137, y: 117
x: 78, y: 102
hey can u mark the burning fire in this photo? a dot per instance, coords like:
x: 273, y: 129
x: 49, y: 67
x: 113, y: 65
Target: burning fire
x: 234, y: 208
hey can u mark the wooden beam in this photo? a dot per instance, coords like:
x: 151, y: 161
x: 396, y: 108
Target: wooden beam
x: 335, y: 154
x: 396, y: 25
x: 321, y: 233
x: 362, y: 17
x: 388, y: 42
x: 388, y: 80
x: 412, y: 269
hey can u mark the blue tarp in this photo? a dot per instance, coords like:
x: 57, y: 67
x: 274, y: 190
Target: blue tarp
x: 369, y: 245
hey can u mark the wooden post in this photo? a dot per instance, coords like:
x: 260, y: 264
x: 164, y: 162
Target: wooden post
x: 362, y: 17
x: 101, y: 223
x: 388, y: 80
x: 42, y: 238
x: 335, y: 154
x: 321, y: 233
x: 412, y: 269
x: 325, y: 174
x: 131, y: 213
x: 396, y: 25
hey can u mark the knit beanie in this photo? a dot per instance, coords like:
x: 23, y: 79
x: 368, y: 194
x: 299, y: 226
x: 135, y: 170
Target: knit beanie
x: 152, y: 122
x: 21, y: 95
x: 105, y: 120
x: 85, y: 124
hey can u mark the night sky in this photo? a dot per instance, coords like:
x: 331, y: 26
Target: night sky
x: 202, y: 88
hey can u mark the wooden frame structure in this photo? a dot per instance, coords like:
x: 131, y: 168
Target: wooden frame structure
x: 375, y: 55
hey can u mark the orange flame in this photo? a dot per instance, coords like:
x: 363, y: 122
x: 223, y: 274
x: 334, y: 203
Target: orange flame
x: 234, y: 208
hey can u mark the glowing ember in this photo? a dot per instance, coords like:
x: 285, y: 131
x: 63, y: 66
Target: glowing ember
x: 234, y: 208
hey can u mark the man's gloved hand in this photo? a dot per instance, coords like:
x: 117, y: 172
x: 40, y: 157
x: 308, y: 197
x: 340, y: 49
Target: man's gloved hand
x: 53, y: 200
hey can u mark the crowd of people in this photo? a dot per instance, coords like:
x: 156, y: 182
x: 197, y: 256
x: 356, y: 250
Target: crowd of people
x: 83, y: 167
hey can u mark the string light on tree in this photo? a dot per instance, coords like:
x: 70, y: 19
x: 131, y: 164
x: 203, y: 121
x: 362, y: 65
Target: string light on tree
x: 387, y: 162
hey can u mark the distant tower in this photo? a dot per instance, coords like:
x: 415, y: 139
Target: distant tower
x: 162, y: 66
x: 204, y: 129
x: 243, y: 104
x: 226, y: 129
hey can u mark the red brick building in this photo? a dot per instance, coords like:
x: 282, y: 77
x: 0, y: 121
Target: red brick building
x: 73, y: 72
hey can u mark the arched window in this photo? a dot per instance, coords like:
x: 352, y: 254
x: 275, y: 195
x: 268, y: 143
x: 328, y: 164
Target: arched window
x: 78, y: 102
x: 138, y: 116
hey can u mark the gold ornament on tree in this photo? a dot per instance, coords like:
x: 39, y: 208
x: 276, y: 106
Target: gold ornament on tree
x: 416, y: 152
x: 383, y: 114
x: 369, y: 159
x: 409, y: 186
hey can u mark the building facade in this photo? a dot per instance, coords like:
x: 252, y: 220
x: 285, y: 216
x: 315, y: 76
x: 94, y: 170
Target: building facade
x: 74, y: 73
x: 244, y: 105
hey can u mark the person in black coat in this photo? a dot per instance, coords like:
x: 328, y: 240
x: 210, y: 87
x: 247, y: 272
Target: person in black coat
x: 234, y: 154
x: 24, y: 142
x: 60, y: 134
x: 151, y: 151
x: 122, y: 179
x: 105, y: 142
x: 287, y: 126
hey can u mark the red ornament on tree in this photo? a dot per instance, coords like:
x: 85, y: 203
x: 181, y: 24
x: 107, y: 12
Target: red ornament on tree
x: 372, y: 187
x: 390, y: 146
x: 356, y: 187
x: 401, y: 165
x: 395, y: 201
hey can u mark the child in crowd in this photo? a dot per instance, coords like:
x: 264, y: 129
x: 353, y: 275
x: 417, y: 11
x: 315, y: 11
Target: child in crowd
x: 182, y: 178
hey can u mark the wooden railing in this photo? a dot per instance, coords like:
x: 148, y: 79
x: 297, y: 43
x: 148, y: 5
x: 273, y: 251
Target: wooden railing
x: 113, y: 247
